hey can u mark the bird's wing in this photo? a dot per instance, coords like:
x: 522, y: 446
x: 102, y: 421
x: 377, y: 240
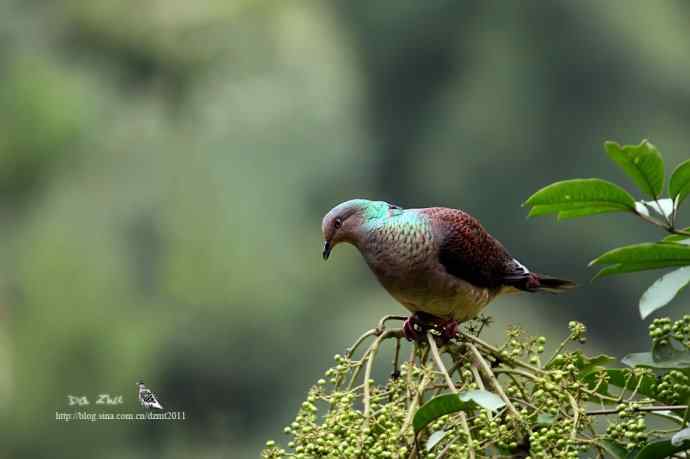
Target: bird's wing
x: 147, y: 398
x: 469, y: 252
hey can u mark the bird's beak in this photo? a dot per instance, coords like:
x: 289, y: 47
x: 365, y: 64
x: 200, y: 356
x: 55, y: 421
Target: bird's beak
x: 326, y: 249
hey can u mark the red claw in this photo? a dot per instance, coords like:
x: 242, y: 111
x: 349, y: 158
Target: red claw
x: 412, y: 328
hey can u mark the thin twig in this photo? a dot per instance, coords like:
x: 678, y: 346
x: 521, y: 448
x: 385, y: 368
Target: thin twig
x: 439, y: 362
x: 445, y: 450
x: 513, y: 371
x: 497, y: 353
x: 382, y: 323
x: 576, y: 415
x: 358, y: 368
x: 477, y: 377
x: 413, y: 405
x: 560, y: 347
x: 637, y: 387
x: 370, y: 363
x: 640, y: 408
x: 466, y: 428
x: 491, y: 378
x: 396, y: 359
x: 652, y: 220
x: 449, y: 381
x: 413, y: 355
x: 679, y: 232
x: 513, y: 378
x: 350, y: 350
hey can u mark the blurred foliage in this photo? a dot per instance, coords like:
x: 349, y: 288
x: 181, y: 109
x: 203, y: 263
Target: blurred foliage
x: 164, y: 166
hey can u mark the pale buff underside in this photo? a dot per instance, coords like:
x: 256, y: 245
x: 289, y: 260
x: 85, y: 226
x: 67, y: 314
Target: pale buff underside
x: 423, y: 285
x: 462, y: 301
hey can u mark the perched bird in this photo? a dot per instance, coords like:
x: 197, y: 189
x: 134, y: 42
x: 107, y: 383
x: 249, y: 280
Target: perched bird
x: 147, y: 399
x: 439, y: 263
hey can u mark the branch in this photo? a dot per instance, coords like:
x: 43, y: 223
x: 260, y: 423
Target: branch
x: 439, y: 362
x: 413, y: 406
x: 576, y: 415
x: 382, y: 323
x: 370, y: 362
x: 491, y: 378
x: 497, y: 354
x: 453, y: 389
x: 652, y: 220
x: 640, y: 408
x: 350, y: 350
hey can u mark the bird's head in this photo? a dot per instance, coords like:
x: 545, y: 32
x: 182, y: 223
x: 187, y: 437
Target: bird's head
x: 140, y: 383
x: 347, y: 221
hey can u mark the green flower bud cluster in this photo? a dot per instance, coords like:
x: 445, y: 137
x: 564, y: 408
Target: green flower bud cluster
x: 673, y: 388
x: 488, y: 431
x: 336, y: 374
x: 546, y: 401
x: 454, y: 441
x: 662, y: 329
x: 577, y: 331
x: 519, y: 346
x: 631, y: 431
x: 342, y: 431
x: 554, y: 441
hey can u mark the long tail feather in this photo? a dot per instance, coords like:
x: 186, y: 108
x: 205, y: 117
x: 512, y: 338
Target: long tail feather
x: 534, y: 282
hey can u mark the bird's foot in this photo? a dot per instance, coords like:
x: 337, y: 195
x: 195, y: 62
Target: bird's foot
x: 449, y: 330
x: 413, y: 328
x: 416, y: 326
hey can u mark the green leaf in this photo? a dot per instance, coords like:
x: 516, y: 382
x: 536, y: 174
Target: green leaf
x: 434, y: 438
x: 545, y: 419
x: 679, y: 185
x: 680, y: 238
x: 680, y: 437
x: 621, y: 377
x: 642, y: 163
x: 664, y: 352
x: 663, y: 290
x: 439, y: 406
x: 451, y: 403
x: 614, y: 448
x: 484, y: 398
x: 587, y: 364
x: 646, y: 359
x: 662, y: 207
x: 580, y: 197
x: 591, y: 370
x: 660, y: 449
x: 640, y: 257
x: 584, y: 212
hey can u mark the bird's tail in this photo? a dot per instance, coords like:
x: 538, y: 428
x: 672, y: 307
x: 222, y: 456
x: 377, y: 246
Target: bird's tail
x: 534, y: 282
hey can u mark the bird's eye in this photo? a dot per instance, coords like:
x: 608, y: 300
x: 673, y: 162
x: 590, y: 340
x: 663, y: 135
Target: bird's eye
x: 338, y: 222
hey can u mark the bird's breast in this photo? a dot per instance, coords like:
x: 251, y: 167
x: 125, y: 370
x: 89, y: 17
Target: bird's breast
x: 402, y: 257
x: 405, y: 261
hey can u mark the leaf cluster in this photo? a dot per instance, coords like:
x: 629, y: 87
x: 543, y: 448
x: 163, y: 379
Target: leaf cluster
x: 644, y: 165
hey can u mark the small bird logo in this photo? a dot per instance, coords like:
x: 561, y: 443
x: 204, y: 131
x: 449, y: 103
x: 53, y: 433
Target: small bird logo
x: 146, y: 397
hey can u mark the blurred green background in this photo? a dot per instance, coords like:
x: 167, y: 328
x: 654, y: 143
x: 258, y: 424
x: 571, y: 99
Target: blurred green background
x: 165, y: 164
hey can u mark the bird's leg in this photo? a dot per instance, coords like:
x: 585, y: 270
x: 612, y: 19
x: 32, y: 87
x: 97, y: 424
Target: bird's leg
x: 413, y: 328
x: 448, y: 329
x: 418, y: 323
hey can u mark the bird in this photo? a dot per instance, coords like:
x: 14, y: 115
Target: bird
x: 439, y: 263
x: 146, y: 397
